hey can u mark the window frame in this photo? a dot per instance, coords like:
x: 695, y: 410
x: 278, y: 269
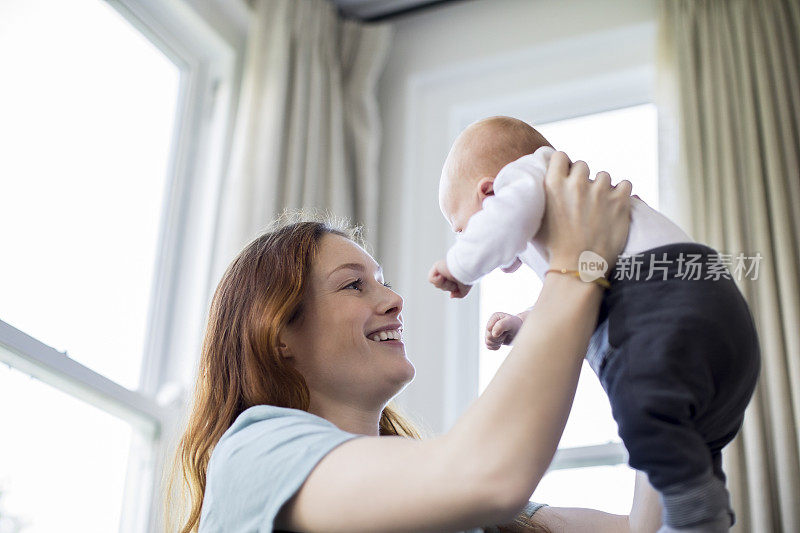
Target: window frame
x: 206, y: 41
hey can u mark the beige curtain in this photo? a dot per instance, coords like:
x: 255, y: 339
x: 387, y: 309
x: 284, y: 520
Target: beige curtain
x: 730, y: 132
x: 307, y: 132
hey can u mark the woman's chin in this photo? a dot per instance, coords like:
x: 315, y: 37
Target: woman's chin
x: 411, y: 370
x: 405, y: 373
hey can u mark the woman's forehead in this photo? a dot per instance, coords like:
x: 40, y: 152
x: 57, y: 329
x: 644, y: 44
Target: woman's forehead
x: 336, y: 251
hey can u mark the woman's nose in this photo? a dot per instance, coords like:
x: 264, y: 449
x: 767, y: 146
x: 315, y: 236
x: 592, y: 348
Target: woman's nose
x: 392, y: 303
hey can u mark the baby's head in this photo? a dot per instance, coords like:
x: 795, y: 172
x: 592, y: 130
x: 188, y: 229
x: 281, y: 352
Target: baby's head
x: 474, y: 160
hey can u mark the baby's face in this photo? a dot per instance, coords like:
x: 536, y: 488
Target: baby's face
x: 458, y: 203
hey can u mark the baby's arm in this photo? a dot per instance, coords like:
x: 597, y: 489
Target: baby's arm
x: 496, y: 234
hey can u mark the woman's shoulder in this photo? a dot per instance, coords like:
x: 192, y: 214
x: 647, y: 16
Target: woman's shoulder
x: 271, y: 417
x: 260, y: 462
x: 268, y: 428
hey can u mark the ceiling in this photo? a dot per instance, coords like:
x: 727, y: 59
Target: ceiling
x: 383, y: 9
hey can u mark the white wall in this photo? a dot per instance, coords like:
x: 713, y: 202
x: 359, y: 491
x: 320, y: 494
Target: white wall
x: 535, y: 59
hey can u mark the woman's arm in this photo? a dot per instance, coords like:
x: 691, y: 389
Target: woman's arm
x: 576, y: 520
x: 516, y: 424
x: 645, y: 516
x: 485, y: 468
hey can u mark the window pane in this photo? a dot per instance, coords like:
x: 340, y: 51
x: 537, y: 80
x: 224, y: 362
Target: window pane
x: 590, y: 421
x: 88, y: 105
x: 605, y: 488
x: 623, y: 142
x: 62, y: 462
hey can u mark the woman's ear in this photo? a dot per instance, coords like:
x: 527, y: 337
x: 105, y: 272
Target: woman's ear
x: 486, y: 186
x: 284, y: 351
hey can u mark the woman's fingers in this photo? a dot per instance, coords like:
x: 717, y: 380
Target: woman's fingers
x: 624, y: 187
x: 583, y: 214
x: 603, y: 178
x: 558, y: 168
x: 579, y: 170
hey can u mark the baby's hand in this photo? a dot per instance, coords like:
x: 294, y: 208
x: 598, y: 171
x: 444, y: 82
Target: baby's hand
x: 441, y: 278
x: 501, y: 329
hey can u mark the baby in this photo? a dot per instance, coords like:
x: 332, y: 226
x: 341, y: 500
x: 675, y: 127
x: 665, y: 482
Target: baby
x: 675, y: 347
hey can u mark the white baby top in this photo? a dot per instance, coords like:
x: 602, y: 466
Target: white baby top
x: 504, y: 229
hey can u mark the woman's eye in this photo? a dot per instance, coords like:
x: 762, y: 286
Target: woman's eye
x: 354, y: 285
x: 359, y: 285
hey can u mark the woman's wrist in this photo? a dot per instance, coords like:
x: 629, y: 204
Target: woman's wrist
x: 524, y: 522
x: 565, y: 261
x: 573, y: 283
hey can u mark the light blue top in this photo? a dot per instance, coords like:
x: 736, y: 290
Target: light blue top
x: 259, y: 464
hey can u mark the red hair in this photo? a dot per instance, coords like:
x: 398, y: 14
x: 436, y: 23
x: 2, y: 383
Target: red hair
x: 240, y: 366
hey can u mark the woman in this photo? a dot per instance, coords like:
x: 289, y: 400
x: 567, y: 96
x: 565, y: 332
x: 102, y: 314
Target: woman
x: 290, y: 427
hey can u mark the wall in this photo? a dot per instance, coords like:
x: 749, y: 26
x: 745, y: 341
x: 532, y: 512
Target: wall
x: 535, y: 59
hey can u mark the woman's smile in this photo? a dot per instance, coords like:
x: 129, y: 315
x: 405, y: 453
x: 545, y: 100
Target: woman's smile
x: 386, y: 333
x: 392, y: 339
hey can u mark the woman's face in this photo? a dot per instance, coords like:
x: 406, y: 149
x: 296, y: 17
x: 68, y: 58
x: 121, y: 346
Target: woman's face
x: 347, y: 307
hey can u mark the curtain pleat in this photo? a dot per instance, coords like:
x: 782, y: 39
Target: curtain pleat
x: 729, y: 98
x: 307, y: 132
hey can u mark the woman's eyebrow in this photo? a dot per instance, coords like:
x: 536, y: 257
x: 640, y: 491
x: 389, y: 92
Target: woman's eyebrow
x: 353, y: 266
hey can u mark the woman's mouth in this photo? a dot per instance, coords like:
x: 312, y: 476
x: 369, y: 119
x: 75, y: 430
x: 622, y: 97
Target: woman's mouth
x: 387, y: 335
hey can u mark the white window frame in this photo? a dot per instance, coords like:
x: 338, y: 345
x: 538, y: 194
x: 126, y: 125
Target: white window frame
x: 206, y: 40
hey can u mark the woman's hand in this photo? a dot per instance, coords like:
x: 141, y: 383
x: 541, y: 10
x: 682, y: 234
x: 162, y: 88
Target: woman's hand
x: 583, y: 214
x: 645, y: 516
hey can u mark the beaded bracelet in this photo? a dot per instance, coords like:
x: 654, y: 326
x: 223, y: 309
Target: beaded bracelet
x: 603, y: 282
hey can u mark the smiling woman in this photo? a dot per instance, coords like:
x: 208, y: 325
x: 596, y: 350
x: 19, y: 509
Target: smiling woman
x: 331, y: 343
x: 295, y: 305
x: 291, y: 414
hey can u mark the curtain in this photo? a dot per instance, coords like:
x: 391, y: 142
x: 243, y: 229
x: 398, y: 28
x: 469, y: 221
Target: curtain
x: 307, y: 131
x: 729, y: 104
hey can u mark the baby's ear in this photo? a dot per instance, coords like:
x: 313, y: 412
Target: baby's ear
x: 486, y: 186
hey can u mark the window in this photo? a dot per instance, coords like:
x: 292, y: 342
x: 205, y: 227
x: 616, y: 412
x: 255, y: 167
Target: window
x: 104, y: 110
x: 591, y: 458
x: 83, y: 188
x: 63, y: 461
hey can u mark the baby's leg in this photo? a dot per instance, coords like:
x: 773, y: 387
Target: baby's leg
x: 684, y: 364
x: 655, y: 398
x: 723, y: 520
x: 721, y: 523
